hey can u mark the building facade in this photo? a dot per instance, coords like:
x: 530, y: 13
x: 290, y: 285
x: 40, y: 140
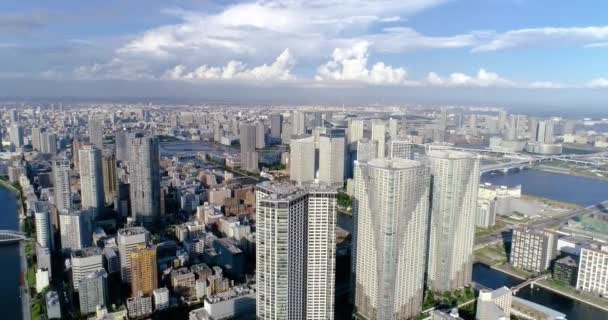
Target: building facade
x: 532, y: 249
x: 144, y: 177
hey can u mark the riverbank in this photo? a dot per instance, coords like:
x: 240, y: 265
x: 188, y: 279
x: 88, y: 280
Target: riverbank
x: 567, y: 171
x: 563, y: 291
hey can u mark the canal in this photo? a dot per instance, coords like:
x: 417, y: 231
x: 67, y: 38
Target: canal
x: 10, y: 303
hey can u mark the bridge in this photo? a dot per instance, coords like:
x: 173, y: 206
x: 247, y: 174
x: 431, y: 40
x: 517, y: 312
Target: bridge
x: 8, y: 236
x: 528, y: 282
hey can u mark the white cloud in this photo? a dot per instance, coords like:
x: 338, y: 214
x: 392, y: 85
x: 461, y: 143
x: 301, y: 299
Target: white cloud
x: 599, y: 83
x: 543, y: 36
x: 351, y: 65
x: 279, y: 70
x: 546, y: 85
x: 483, y: 78
x: 597, y: 45
x: 114, y: 69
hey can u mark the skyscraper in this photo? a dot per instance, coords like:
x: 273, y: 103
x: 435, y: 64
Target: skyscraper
x: 391, y: 214
x: 144, y: 177
x: 393, y: 128
x: 276, y: 126
x: 367, y: 149
x: 75, y: 229
x: 331, y: 159
x: 91, y: 178
x: 401, y: 149
x: 44, y: 234
x: 49, y: 142
x: 302, y: 160
x: 452, y: 225
x: 355, y: 130
x: 85, y: 261
x: 144, y: 275
x: 260, y: 135
x: 96, y: 130
x: 544, y: 132
x: 295, y: 251
x: 128, y: 240
x: 36, y: 138
x: 16, y: 134
x: 93, y: 291
x: 249, y: 157
x: 379, y: 135
x: 61, y: 185
x: 122, y: 150
x: 298, y: 123
x: 110, y: 180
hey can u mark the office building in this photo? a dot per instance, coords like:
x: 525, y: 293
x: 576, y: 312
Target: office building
x: 532, y: 249
x: 75, y: 229
x: 16, y: 135
x: 379, y: 135
x: 260, y: 135
x: 93, y: 292
x: 302, y: 160
x: 36, y: 138
x: 96, y: 124
x: 144, y: 177
x: 84, y: 262
x: 494, y: 305
x: 390, y: 234
x: 453, y: 211
x: 486, y: 213
x: 276, y: 127
x: 128, y: 240
x: 393, y: 128
x: 249, y: 157
x: 331, y: 159
x: 401, y: 149
x: 122, y: 149
x: 91, y: 178
x: 593, y: 269
x: 61, y: 185
x: 49, y: 142
x: 110, y: 179
x: 295, y: 251
x: 144, y: 274
x: 42, y: 219
x: 53, y: 306
x: 355, y: 130
x: 367, y: 150
x: 298, y: 123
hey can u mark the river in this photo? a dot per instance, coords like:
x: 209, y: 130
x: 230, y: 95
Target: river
x: 573, y: 189
x: 10, y: 303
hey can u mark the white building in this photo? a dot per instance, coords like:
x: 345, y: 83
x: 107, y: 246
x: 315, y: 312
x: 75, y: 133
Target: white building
x: 355, y: 130
x: 93, y: 293
x: 390, y: 235
x: 486, y: 213
x: 44, y: 234
x: 128, y: 239
x: 302, y: 160
x: 401, y: 149
x: 593, y: 269
x: 61, y: 185
x: 42, y: 279
x: 379, y: 135
x: 83, y: 262
x: 295, y: 251
x: 494, y: 305
x: 454, y: 208
x: 533, y: 249
x: 161, y: 298
x: 298, y: 123
x: 331, y: 160
x: 75, y: 229
x: 144, y: 178
x: 91, y: 178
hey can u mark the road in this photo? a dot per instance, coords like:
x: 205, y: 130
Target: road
x: 503, y: 234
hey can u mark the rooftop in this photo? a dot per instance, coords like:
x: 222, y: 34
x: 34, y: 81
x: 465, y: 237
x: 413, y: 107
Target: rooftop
x: 86, y: 252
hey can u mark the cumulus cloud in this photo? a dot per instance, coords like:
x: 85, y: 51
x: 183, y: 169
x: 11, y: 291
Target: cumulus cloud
x: 279, y: 70
x: 528, y: 37
x: 351, y: 64
x: 483, y: 78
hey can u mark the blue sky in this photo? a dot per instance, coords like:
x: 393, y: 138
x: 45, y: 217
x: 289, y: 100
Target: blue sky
x: 441, y: 44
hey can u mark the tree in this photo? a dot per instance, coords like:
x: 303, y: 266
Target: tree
x: 344, y: 200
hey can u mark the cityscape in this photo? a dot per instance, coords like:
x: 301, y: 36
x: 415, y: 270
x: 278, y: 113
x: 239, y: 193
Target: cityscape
x: 156, y: 187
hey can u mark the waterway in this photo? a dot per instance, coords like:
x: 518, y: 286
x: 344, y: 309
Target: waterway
x: 566, y: 188
x: 10, y: 266
x: 573, y: 310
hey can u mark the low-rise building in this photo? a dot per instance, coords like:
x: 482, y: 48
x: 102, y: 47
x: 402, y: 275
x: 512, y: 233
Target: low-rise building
x: 565, y: 270
x: 161, y: 298
x: 593, y: 269
x: 532, y: 249
x: 139, y: 306
x: 494, y: 305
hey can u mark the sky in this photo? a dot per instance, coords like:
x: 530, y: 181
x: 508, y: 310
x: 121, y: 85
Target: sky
x: 541, y: 52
